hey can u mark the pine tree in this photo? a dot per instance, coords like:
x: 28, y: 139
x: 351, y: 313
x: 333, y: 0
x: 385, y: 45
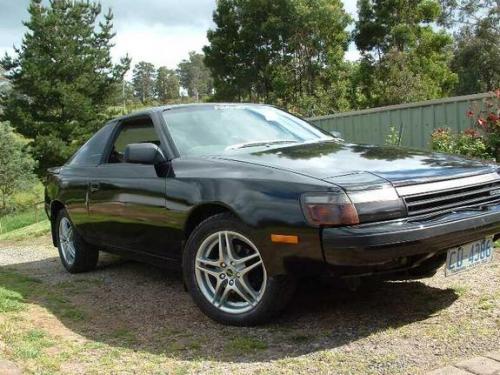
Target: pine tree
x: 4, y: 83
x: 62, y: 77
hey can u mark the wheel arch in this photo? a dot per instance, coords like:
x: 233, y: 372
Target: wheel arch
x: 202, y: 212
x: 55, y: 207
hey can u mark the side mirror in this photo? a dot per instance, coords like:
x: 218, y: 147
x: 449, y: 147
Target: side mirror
x: 336, y: 134
x: 143, y: 153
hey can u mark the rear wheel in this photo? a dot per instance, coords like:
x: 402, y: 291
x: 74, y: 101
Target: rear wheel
x: 226, y: 275
x: 76, y: 255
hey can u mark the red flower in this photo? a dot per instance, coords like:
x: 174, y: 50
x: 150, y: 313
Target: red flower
x: 470, y: 113
x: 492, y: 117
x: 473, y: 133
x: 481, y: 122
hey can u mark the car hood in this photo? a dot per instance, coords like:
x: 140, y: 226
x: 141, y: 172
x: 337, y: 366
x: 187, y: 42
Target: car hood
x: 329, y: 160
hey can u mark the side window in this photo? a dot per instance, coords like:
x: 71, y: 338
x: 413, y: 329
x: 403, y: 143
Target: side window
x: 134, y: 131
x: 90, y: 154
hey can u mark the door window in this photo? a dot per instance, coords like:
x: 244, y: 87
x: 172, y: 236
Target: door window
x: 136, y: 131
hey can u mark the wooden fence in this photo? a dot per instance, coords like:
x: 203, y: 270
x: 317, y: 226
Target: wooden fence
x: 415, y: 122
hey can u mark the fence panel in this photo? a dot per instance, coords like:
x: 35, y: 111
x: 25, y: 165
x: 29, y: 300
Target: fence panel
x: 416, y: 121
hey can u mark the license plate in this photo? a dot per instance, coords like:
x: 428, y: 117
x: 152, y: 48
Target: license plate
x: 463, y: 257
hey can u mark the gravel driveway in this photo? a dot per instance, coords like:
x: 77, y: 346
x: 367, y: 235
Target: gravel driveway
x: 131, y: 318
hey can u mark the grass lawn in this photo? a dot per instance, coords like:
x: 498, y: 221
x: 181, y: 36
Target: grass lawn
x: 29, y: 231
x: 24, y: 225
x: 18, y: 220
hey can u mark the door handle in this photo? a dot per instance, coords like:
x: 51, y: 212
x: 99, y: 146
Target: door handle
x: 94, y: 186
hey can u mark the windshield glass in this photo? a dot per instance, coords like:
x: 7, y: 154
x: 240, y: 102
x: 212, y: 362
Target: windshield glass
x: 217, y: 129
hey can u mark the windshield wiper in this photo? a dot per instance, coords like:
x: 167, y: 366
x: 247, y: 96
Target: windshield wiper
x: 259, y: 143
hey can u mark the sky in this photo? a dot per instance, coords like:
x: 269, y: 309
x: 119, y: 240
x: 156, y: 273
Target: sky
x: 158, y: 31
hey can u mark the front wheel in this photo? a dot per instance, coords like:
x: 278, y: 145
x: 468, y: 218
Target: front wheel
x: 76, y: 255
x: 226, y: 275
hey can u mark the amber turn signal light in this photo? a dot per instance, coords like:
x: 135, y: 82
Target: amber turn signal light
x: 281, y: 238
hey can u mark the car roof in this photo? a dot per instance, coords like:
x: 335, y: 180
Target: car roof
x: 149, y: 110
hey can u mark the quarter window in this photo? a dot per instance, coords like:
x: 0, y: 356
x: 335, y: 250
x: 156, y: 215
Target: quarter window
x: 91, y: 153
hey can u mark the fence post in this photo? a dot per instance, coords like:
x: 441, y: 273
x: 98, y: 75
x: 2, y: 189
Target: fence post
x: 401, y: 125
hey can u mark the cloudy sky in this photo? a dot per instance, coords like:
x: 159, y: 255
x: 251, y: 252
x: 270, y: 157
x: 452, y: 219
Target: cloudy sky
x: 158, y: 31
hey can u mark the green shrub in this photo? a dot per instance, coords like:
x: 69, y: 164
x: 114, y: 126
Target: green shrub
x: 393, y: 138
x: 467, y: 143
x: 27, y: 198
x: 16, y: 166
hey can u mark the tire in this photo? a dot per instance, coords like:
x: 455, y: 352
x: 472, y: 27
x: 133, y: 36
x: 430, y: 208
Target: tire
x: 232, y: 288
x: 76, y: 255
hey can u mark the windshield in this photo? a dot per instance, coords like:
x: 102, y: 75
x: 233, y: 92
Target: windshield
x: 217, y: 129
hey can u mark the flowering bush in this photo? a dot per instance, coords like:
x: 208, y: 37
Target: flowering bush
x: 482, y: 140
x: 468, y: 143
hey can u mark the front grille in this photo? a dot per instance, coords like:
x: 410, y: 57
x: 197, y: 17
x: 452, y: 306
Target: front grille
x: 452, y: 198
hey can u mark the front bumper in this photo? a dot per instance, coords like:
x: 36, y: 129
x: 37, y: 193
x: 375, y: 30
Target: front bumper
x: 392, y: 244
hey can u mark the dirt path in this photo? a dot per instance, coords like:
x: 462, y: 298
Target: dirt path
x: 132, y: 318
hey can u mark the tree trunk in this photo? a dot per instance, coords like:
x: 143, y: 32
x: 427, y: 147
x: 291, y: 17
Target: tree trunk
x: 4, y: 202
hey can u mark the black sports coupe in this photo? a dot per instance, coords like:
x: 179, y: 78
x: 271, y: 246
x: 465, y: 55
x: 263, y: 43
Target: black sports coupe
x: 248, y: 199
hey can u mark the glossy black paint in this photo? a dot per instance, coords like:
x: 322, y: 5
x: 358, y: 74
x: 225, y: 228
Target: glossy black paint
x: 343, y: 247
x: 147, y: 211
x: 330, y: 160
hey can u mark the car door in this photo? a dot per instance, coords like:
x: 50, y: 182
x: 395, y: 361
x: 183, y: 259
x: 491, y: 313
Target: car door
x: 127, y: 201
x: 76, y: 174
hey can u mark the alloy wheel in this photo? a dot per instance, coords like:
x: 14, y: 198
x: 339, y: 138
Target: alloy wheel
x: 67, y: 240
x: 230, y: 272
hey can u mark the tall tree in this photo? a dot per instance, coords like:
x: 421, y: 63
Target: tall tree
x: 16, y: 165
x: 284, y: 52
x: 404, y: 57
x: 4, y: 82
x: 166, y: 85
x: 62, y: 77
x: 195, y: 76
x: 4, y: 86
x: 144, y: 81
x: 482, y: 46
x: 477, y: 38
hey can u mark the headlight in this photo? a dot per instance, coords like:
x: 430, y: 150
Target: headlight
x: 329, y: 209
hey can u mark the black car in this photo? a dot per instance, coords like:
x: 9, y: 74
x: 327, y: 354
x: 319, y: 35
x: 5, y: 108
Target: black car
x: 248, y: 199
